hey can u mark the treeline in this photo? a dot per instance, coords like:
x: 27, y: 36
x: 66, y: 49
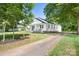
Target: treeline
x: 66, y: 14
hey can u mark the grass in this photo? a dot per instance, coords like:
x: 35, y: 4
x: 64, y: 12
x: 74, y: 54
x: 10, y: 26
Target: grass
x: 32, y: 38
x: 68, y: 46
x: 21, y: 32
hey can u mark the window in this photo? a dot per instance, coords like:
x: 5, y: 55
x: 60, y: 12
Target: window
x: 54, y: 26
x: 48, y: 26
x: 33, y: 27
x: 41, y: 26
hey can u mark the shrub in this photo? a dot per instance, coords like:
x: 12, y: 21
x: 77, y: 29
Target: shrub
x: 10, y: 36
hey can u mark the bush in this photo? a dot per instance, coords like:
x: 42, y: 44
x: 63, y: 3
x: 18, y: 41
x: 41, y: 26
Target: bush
x: 10, y: 36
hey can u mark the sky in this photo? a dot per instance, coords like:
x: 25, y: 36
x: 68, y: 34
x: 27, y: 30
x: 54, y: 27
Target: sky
x: 38, y: 10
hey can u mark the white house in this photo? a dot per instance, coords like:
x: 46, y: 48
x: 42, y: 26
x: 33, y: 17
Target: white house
x: 40, y: 25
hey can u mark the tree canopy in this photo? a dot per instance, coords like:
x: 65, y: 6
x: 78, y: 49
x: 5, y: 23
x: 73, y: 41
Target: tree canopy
x: 12, y: 13
x: 63, y: 13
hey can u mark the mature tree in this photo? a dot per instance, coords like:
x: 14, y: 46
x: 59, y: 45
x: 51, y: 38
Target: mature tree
x: 3, y: 20
x: 76, y: 13
x: 4, y: 23
x: 27, y: 9
x: 14, y: 14
x: 11, y: 14
x: 28, y: 13
x: 65, y: 14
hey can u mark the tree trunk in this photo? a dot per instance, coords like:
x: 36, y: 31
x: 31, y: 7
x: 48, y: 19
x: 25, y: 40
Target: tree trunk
x: 24, y: 33
x: 3, y: 33
x: 78, y: 25
x: 13, y: 32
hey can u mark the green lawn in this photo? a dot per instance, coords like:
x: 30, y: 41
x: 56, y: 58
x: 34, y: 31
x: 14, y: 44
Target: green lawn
x: 33, y: 37
x: 68, y: 46
x: 21, y: 32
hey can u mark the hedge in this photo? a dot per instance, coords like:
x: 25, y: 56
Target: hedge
x: 10, y: 36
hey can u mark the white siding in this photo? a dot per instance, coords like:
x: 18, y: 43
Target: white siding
x: 46, y: 27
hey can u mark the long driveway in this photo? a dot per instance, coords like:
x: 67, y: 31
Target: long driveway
x: 39, y: 48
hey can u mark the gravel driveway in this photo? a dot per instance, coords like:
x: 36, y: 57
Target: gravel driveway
x: 39, y: 48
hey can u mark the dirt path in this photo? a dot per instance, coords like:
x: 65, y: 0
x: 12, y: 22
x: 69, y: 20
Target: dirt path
x: 39, y: 48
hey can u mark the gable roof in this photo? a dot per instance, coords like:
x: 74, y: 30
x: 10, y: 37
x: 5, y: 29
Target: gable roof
x: 41, y: 20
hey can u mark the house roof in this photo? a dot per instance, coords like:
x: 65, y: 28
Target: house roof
x: 41, y: 20
x: 44, y: 21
